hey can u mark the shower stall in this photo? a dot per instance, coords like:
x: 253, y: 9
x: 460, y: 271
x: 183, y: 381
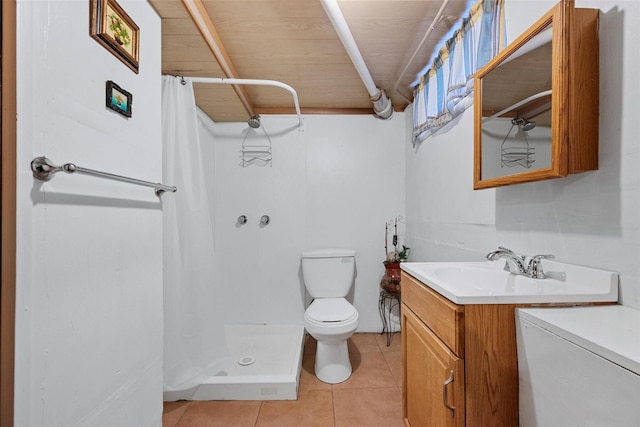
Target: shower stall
x: 234, y: 298
x: 264, y: 363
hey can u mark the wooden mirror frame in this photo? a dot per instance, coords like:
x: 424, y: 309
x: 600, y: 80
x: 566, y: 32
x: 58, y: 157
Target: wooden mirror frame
x: 574, y: 100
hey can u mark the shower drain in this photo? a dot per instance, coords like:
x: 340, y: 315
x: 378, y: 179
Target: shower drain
x: 246, y: 360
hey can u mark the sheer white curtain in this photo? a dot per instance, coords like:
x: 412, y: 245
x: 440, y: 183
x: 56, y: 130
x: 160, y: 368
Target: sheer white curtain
x: 194, y: 340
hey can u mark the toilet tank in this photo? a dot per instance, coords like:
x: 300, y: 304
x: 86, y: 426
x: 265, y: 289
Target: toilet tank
x: 328, y: 273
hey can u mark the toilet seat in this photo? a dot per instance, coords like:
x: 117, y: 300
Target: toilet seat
x: 330, y: 310
x: 330, y: 317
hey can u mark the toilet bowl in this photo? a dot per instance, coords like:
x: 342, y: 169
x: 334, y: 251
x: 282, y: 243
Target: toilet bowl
x: 330, y: 318
x: 331, y: 321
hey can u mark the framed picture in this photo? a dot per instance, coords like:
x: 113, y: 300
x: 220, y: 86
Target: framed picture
x: 115, y: 30
x: 118, y: 99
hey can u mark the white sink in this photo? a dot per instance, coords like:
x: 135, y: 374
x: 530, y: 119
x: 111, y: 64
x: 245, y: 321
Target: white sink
x: 488, y: 283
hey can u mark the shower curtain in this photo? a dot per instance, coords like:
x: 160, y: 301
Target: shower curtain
x: 194, y: 340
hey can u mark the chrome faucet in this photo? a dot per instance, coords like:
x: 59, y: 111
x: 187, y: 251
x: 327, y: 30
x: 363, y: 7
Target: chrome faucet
x: 514, y: 263
x: 520, y: 264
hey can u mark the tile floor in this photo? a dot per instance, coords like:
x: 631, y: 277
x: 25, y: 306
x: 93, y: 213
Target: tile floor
x: 371, y: 397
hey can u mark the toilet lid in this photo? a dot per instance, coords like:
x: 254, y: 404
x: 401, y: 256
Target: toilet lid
x: 331, y: 310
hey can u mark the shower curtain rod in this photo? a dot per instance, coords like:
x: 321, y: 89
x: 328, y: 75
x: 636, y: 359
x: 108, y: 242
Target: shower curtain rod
x: 43, y: 170
x: 259, y: 82
x: 518, y: 104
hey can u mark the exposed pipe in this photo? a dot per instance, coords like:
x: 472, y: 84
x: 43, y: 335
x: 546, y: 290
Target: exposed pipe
x: 218, y: 80
x: 381, y: 103
x: 432, y: 27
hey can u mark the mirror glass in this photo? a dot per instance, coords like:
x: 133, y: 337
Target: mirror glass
x: 516, y: 110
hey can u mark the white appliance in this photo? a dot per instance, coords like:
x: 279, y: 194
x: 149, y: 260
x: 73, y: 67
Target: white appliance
x: 579, y: 366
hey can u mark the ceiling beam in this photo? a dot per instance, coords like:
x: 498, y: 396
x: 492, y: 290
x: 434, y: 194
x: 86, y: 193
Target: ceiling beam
x: 202, y: 20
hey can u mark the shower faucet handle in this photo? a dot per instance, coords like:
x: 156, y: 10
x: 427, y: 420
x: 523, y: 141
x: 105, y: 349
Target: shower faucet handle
x: 242, y: 219
x: 265, y: 219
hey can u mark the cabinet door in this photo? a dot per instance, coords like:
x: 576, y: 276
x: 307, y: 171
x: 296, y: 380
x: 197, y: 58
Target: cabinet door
x: 433, y: 378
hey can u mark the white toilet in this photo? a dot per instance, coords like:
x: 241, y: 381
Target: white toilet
x: 328, y: 275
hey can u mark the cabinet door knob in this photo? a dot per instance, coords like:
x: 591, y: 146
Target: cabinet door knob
x: 445, y: 401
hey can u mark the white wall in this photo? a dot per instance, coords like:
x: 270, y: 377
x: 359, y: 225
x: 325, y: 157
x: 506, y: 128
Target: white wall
x: 89, y: 251
x: 259, y: 265
x: 332, y: 184
x: 355, y: 183
x: 591, y: 218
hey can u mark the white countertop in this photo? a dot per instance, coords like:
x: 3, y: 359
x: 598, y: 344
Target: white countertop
x: 487, y: 283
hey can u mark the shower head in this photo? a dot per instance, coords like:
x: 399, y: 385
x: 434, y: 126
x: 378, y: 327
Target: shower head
x: 523, y: 124
x: 254, y: 122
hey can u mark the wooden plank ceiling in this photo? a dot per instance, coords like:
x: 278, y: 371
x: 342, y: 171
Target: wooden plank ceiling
x: 518, y: 79
x: 293, y: 41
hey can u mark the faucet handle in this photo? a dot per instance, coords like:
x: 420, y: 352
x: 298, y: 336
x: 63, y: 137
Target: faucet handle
x: 537, y: 258
x: 535, y: 268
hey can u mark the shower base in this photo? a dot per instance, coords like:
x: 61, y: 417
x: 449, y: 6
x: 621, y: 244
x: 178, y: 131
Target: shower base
x: 264, y: 364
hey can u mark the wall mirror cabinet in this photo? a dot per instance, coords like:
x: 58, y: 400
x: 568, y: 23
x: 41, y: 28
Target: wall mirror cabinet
x: 536, y: 102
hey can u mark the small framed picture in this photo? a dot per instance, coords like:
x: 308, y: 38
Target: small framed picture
x: 118, y: 99
x: 115, y: 30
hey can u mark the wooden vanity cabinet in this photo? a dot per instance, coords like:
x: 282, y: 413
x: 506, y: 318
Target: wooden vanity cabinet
x: 460, y: 364
x: 433, y: 378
